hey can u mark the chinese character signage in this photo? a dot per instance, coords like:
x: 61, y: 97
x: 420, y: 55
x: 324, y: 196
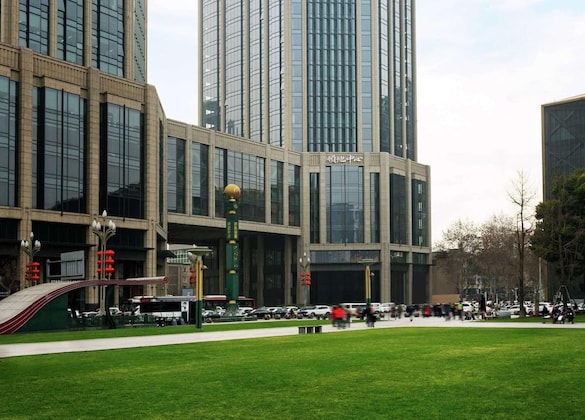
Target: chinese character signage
x: 346, y: 159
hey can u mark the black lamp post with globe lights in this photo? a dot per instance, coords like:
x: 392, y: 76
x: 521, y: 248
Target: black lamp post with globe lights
x: 30, y: 248
x: 105, y: 258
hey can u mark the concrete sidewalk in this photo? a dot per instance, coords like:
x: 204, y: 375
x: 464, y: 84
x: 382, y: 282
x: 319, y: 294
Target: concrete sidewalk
x: 13, y: 350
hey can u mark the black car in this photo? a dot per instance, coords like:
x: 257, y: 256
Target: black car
x: 261, y: 313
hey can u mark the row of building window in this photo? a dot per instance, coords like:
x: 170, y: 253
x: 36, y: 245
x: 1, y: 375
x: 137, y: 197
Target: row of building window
x: 60, y: 157
x: 107, y: 33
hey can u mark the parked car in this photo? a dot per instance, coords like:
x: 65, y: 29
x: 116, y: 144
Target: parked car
x: 208, y: 315
x: 316, y: 311
x: 514, y: 310
x: 245, y: 311
x: 278, y: 312
x: 292, y: 311
x: 261, y: 313
x: 387, y: 307
x: 356, y: 309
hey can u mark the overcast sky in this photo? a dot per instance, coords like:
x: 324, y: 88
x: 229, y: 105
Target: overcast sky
x: 485, y: 67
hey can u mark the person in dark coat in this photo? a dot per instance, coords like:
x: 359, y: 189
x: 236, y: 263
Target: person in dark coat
x: 370, y: 316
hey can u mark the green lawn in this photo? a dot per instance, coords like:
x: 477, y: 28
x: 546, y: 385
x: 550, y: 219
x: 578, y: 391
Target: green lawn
x: 402, y: 373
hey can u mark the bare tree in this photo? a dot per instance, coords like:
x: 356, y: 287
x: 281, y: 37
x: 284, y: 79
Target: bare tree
x: 460, y: 245
x: 497, y: 259
x: 522, y: 196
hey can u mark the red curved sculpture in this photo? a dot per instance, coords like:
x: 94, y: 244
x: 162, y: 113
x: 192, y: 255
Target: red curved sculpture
x: 18, y: 308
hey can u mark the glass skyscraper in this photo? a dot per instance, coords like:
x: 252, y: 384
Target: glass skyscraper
x: 334, y: 80
x: 563, y: 152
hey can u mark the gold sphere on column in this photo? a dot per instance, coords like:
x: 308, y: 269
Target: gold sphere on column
x: 232, y: 191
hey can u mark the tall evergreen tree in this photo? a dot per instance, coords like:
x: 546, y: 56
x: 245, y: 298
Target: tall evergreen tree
x: 559, y: 237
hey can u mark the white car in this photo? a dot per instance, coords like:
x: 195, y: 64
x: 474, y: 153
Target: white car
x: 468, y: 307
x: 547, y: 305
x: 387, y: 307
x: 244, y: 311
x: 316, y: 311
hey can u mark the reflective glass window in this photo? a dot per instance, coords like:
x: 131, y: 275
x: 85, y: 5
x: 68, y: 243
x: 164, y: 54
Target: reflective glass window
x: 374, y: 207
x: 107, y: 43
x: 345, y: 204
x: 199, y: 179
x: 246, y: 171
x: 34, y: 25
x: 8, y: 142
x: 398, y: 214
x: 122, y: 161
x: 314, y: 208
x: 294, y: 195
x: 276, y: 192
x: 419, y: 213
x: 70, y: 26
x: 59, y: 150
x: 176, y: 175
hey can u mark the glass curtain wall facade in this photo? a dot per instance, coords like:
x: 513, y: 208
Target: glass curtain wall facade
x: 563, y: 140
x: 563, y: 145
x: 246, y: 171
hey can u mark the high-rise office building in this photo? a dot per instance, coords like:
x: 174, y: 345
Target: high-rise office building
x: 79, y: 132
x: 563, y: 152
x: 309, y: 106
x: 335, y: 81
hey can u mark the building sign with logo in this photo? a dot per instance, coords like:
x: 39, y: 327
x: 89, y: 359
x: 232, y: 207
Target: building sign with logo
x: 345, y: 159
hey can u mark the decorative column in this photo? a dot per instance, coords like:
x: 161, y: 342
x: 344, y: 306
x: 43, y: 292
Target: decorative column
x: 30, y: 248
x: 232, y: 264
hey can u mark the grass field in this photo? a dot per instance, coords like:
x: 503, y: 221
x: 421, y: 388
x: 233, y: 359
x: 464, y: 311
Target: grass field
x: 396, y: 373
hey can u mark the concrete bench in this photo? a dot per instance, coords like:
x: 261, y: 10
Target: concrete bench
x: 311, y: 329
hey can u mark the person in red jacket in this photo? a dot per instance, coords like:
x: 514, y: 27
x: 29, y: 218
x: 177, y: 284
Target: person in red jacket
x: 338, y: 316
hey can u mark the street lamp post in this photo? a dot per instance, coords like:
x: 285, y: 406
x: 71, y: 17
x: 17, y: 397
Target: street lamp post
x: 105, y: 257
x: 196, y: 257
x: 305, y: 264
x: 368, y: 279
x: 30, y: 248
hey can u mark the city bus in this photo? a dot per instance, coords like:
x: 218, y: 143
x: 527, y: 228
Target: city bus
x: 177, y: 308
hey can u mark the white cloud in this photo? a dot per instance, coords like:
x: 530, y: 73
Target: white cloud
x: 483, y: 73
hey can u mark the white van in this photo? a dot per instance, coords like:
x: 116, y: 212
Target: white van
x: 355, y: 309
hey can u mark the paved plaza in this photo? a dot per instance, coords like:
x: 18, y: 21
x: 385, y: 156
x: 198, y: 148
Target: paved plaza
x: 28, y: 349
